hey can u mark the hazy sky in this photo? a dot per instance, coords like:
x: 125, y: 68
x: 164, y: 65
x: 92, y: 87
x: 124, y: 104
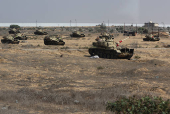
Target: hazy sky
x: 62, y: 11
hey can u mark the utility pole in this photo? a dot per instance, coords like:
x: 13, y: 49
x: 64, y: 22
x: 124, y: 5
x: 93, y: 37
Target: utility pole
x: 36, y: 23
x: 108, y: 23
x: 76, y: 22
x: 70, y: 23
x: 136, y: 29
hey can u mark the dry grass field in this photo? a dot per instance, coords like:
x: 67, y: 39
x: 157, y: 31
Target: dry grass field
x: 40, y: 79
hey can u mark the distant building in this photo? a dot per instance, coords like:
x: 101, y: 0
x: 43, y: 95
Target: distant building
x: 151, y: 24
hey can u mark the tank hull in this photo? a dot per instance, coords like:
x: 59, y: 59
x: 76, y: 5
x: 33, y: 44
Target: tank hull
x: 46, y: 42
x: 151, y: 39
x: 4, y: 41
x: 13, y: 32
x: 40, y: 33
x: 126, y: 53
x: 77, y: 35
x: 21, y: 38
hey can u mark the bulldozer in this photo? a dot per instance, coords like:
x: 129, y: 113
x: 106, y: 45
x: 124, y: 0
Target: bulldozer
x: 53, y: 40
x: 108, y: 48
x: 9, y: 40
x: 77, y: 34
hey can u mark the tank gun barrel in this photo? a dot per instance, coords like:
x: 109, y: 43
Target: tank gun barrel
x: 121, y: 41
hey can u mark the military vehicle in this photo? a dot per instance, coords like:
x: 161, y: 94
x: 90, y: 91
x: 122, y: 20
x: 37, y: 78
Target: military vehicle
x: 40, y: 32
x: 53, y: 40
x: 20, y: 36
x: 14, y: 31
x: 77, y: 34
x: 129, y: 33
x: 151, y: 37
x: 105, y: 35
x: 108, y: 48
x: 9, y: 40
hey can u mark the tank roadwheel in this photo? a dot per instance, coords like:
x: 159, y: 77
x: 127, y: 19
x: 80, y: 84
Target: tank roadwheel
x: 91, y: 52
x: 100, y: 55
x: 112, y: 56
x: 108, y: 56
x: 104, y: 56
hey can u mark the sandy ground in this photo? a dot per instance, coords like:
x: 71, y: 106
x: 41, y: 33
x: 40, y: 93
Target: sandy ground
x: 35, y: 78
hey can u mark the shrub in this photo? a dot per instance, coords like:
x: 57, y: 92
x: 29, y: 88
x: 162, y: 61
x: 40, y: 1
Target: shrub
x: 156, y: 46
x: 14, y: 26
x: 99, y: 68
x: 145, y: 105
x: 137, y: 57
x: 90, y: 30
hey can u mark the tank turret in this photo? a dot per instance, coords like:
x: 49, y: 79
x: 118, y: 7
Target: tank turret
x: 20, y: 36
x: 9, y: 40
x: 77, y: 34
x: 40, y: 32
x: 108, y: 48
x: 14, y: 31
x: 53, y: 40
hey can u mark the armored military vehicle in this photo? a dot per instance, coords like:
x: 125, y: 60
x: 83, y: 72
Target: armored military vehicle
x: 20, y: 36
x: 9, y: 40
x: 40, y: 32
x: 53, y: 40
x: 14, y: 31
x: 105, y: 35
x: 77, y: 34
x: 151, y: 37
x: 108, y: 48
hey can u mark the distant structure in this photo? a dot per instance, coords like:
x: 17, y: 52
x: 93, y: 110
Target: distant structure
x: 151, y: 24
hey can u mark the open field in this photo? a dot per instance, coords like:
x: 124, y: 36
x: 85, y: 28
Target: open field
x: 35, y: 78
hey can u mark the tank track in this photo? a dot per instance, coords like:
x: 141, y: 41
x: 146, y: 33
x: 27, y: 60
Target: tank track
x: 9, y: 42
x: 38, y: 33
x: 20, y: 38
x: 12, y: 32
x: 53, y: 42
x: 112, y: 54
x: 73, y: 35
x: 147, y: 39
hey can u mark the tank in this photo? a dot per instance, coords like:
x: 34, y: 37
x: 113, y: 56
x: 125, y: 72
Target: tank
x: 14, y: 31
x: 77, y: 34
x: 108, y: 48
x: 40, y: 32
x: 20, y: 36
x: 151, y: 37
x: 53, y: 40
x: 9, y: 40
x: 105, y: 35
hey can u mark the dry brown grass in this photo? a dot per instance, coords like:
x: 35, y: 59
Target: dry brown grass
x: 44, y: 79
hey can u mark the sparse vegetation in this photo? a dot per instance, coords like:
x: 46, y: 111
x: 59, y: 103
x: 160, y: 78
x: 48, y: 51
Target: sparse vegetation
x: 137, y: 57
x: 84, y: 47
x: 64, y: 47
x: 156, y: 46
x: 100, y: 68
x: 144, y: 105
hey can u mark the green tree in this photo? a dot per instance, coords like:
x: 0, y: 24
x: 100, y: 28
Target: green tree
x: 15, y: 26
